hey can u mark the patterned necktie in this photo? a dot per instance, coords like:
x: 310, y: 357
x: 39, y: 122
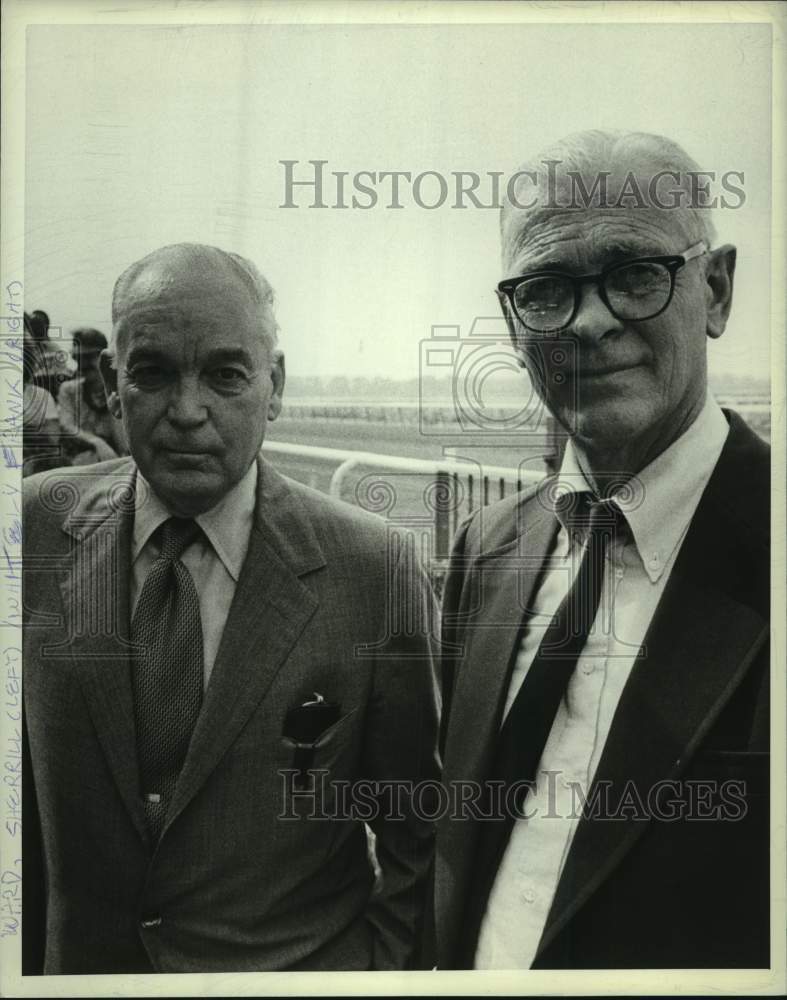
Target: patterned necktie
x: 529, y: 721
x: 168, y: 674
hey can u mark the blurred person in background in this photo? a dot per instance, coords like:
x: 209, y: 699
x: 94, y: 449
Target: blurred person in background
x: 40, y: 427
x: 92, y: 434
x: 51, y: 361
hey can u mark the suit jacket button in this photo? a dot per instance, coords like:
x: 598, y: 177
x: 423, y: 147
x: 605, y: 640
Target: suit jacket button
x: 148, y: 923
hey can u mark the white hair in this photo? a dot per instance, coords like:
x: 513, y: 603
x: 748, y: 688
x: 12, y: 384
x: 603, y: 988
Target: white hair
x: 596, y: 151
x: 201, y: 256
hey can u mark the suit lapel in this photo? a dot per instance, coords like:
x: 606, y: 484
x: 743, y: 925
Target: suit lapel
x: 702, y: 630
x: 658, y: 725
x: 270, y: 610
x: 95, y: 590
x: 502, y: 584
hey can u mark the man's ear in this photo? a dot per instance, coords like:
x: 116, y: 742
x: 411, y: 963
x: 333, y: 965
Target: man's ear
x: 719, y: 274
x: 278, y: 377
x: 109, y: 376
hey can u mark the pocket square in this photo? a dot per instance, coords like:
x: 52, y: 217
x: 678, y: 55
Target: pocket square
x: 306, y: 722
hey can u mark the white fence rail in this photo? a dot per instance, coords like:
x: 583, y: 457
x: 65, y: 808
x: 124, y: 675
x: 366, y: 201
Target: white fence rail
x: 434, y: 493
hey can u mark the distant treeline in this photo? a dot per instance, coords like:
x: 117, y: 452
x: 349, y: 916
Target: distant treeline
x: 414, y: 390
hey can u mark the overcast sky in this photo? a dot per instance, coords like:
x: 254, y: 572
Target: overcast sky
x: 141, y: 136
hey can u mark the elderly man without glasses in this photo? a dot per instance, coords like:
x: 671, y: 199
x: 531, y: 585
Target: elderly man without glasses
x: 606, y: 634
x: 212, y: 652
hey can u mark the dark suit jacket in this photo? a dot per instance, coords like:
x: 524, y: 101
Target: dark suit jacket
x: 635, y: 892
x: 327, y: 602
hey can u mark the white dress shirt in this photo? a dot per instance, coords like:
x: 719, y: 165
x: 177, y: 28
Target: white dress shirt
x: 658, y: 511
x: 214, y: 559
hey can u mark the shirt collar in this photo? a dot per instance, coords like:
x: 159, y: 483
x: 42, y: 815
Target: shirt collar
x: 226, y: 526
x: 661, y: 500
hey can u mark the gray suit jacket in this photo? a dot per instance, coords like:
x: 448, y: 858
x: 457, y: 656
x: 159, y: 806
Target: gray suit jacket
x: 328, y: 601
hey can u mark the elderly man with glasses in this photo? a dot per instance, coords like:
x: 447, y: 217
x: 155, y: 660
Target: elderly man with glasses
x: 606, y: 633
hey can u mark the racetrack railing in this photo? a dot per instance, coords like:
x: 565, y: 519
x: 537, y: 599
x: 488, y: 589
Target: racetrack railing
x: 431, y: 495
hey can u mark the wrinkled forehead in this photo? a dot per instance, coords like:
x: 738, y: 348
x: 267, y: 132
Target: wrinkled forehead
x: 582, y: 239
x: 161, y: 302
x: 640, y: 207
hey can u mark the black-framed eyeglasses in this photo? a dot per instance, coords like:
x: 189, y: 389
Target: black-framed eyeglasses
x: 547, y: 301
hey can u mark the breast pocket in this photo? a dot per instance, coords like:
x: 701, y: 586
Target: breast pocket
x: 315, y: 774
x: 332, y: 750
